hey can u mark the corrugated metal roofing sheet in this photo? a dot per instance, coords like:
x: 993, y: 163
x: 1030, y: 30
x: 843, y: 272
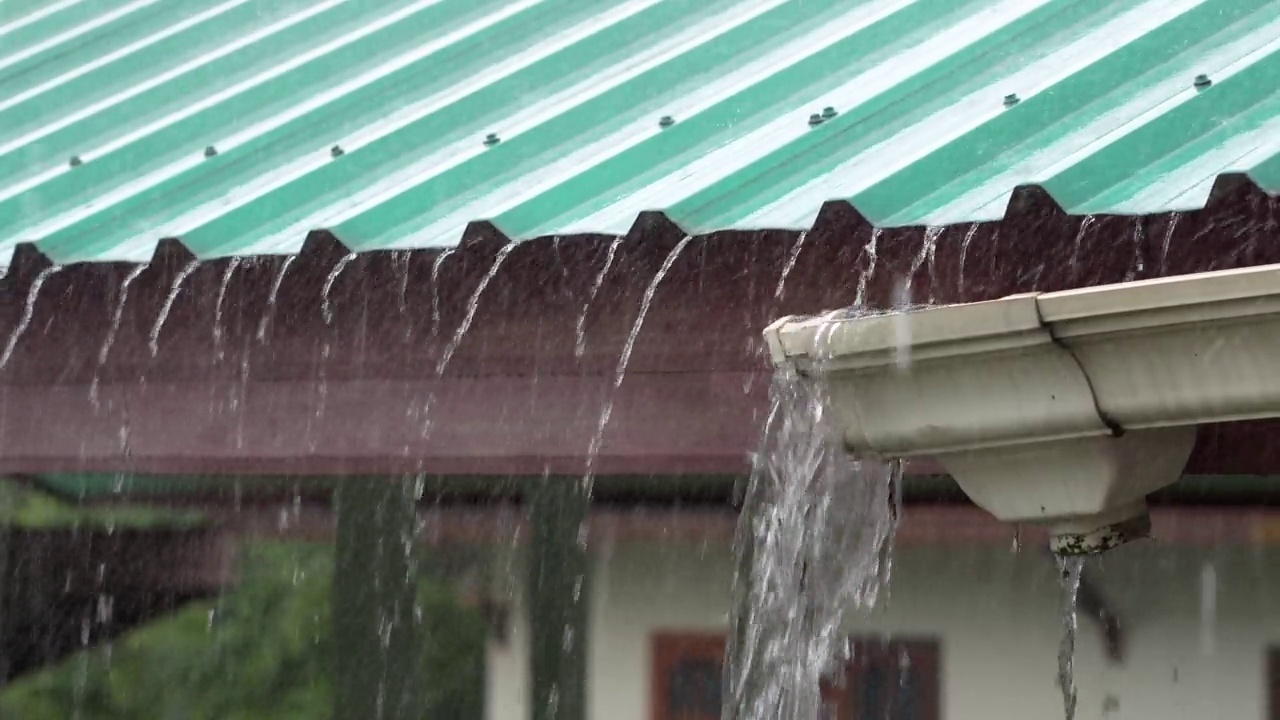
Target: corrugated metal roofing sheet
x: 239, y: 125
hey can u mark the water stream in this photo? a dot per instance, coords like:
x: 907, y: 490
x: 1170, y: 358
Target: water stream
x: 964, y: 253
x: 580, y: 345
x: 271, y: 297
x: 790, y: 265
x: 1070, y: 568
x: 165, y: 309
x: 326, y: 307
x: 28, y: 310
x: 112, y: 330
x: 870, y: 250
x: 620, y: 372
x: 227, y: 274
x: 472, y: 305
x: 814, y: 542
x: 435, y: 290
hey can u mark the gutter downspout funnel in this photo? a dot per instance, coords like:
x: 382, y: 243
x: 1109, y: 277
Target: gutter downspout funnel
x: 1061, y: 409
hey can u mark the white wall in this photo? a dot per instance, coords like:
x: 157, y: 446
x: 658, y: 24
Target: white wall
x: 995, y: 613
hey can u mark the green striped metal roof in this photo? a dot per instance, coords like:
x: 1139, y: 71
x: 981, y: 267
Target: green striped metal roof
x: 240, y: 125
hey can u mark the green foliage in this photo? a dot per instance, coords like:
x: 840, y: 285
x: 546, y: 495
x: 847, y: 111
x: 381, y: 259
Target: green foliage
x: 263, y: 650
x: 26, y: 508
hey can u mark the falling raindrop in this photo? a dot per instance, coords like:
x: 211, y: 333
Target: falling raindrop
x: 580, y: 346
x: 791, y: 263
x: 272, y: 295
x: 187, y: 269
x: 28, y: 310
x: 325, y: 308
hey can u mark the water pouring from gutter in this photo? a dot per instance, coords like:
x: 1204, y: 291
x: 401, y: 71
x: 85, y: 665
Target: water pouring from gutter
x: 814, y: 541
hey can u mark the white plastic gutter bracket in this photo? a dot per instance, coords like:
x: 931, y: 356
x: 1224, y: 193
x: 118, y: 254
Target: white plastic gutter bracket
x: 1064, y: 409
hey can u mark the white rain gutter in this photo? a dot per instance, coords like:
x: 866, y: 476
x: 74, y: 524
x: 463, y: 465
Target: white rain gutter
x: 1064, y: 408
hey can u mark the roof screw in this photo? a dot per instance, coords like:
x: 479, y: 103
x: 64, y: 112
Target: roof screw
x: 337, y: 151
x: 1202, y: 81
x: 491, y: 139
x: 666, y: 121
x: 1011, y: 99
x: 210, y: 151
x: 815, y: 120
x: 75, y: 161
x: 828, y: 112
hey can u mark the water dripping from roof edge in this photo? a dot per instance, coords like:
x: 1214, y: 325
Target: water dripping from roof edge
x: 272, y: 295
x: 116, y: 316
x: 1139, y: 262
x: 620, y: 371
x: 580, y: 331
x: 435, y: 290
x: 870, y: 250
x: 230, y: 270
x: 814, y: 541
x: 326, y: 308
x: 1070, y: 569
x: 1085, y: 224
x: 964, y: 253
x: 928, y: 251
x: 400, y: 260
x: 165, y: 309
x: 28, y: 310
x: 473, y: 304
x: 1168, y: 238
x: 791, y: 263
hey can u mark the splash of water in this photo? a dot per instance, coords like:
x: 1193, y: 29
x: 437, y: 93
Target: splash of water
x: 791, y: 263
x: 186, y: 271
x: 112, y: 330
x: 814, y: 542
x: 326, y: 309
x: 1071, y: 569
x: 620, y: 372
x: 28, y: 310
x: 435, y: 291
x: 271, y: 297
x: 581, y: 330
x: 860, y: 295
x: 230, y: 270
x: 472, y: 305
